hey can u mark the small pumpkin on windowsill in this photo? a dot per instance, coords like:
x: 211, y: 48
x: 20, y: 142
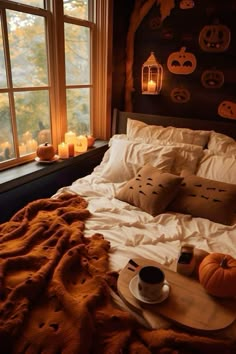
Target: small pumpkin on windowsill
x: 45, y: 152
x: 217, y: 274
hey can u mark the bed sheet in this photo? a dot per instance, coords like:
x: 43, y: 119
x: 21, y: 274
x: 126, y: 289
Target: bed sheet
x: 134, y: 233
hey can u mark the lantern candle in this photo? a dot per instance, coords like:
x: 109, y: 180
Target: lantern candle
x: 63, y: 151
x: 81, y: 144
x: 151, y: 86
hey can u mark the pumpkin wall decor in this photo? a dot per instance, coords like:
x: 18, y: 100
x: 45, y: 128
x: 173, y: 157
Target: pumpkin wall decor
x: 227, y: 109
x: 45, y: 152
x: 214, y: 38
x: 212, y: 78
x: 181, y: 62
x: 180, y: 95
x: 217, y: 274
x: 186, y: 4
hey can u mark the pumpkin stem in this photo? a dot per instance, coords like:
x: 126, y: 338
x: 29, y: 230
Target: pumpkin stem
x: 223, y: 263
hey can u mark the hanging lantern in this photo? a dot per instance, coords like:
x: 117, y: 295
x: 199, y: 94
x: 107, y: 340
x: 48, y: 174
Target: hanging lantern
x: 152, y: 73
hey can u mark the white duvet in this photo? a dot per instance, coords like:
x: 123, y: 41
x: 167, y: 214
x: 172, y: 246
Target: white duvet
x: 134, y: 233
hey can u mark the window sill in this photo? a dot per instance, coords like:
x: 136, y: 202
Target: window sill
x: 17, y: 176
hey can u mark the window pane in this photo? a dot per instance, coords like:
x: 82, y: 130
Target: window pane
x: 78, y: 110
x: 76, y: 8
x: 3, y: 80
x: 77, y: 53
x: 6, y: 139
x: 33, y: 120
x: 37, y: 3
x: 27, y: 49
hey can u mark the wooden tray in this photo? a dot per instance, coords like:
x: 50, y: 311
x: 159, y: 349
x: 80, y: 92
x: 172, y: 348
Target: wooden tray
x: 187, y: 304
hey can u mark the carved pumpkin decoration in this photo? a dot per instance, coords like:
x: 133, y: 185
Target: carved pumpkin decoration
x: 186, y: 4
x: 45, y: 152
x: 217, y: 274
x: 214, y: 38
x: 180, y: 95
x: 227, y: 109
x: 212, y: 78
x: 181, y: 62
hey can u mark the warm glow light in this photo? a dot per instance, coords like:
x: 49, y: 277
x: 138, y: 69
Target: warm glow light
x: 151, y: 86
x: 70, y: 137
x: 81, y: 144
x: 63, y: 151
x: 152, y: 73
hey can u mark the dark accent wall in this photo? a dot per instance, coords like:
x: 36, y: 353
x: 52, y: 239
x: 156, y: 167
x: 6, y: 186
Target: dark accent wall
x: 207, y: 29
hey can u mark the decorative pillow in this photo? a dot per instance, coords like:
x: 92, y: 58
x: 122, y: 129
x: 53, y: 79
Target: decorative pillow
x: 218, y: 167
x: 150, y: 190
x: 149, y: 133
x: 124, y: 158
x: 221, y: 143
x: 205, y: 198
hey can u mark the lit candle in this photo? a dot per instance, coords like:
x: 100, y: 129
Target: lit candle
x: 63, y: 151
x: 151, y: 86
x: 31, y: 145
x: 70, y: 137
x: 81, y: 144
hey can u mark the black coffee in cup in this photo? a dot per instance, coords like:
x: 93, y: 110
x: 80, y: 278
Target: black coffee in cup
x: 151, y: 281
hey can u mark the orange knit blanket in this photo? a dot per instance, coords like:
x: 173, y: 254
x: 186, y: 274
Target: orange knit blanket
x: 55, y: 290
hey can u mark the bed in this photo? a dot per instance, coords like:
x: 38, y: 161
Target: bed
x: 60, y: 257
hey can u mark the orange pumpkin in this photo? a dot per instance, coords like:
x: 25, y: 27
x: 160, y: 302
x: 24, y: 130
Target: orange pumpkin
x: 45, y: 151
x: 91, y: 140
x: 217, y: 274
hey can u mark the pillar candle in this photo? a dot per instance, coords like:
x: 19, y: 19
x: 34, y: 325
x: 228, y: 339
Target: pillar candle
x: 70, y: 137
x: 63, y: 151
x: 151, y: 86
x: 81, y: 144
x: 71, y: 148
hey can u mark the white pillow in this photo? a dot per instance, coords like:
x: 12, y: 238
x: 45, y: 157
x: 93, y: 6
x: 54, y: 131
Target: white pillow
x: 124, y: 158
x: 149, y: 133
x: 218, y: 167
x: 221, y: 143
x: 187, y: 157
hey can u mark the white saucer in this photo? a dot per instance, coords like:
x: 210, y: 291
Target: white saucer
x: 54, y: 159
x: 133, y: 287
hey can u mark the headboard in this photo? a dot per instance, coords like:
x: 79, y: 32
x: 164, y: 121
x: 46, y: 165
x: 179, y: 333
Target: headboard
x: 119, y: 122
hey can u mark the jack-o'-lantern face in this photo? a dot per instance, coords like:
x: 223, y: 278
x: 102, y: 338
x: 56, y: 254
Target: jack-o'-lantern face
x: 186, y: 4
x: 212, y: 78
x: 227, y: 109
x: 181, y: 62
x: 214, y: 38
x: 180, y: 95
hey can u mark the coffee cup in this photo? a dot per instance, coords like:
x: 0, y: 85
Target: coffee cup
x: 151, y: 280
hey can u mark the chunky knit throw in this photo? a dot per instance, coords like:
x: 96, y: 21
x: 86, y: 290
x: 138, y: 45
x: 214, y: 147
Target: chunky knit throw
x: 55, y: 290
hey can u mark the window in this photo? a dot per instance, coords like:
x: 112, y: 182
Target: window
x: 54, y: 58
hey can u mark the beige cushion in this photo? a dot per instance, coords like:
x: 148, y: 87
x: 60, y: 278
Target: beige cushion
x: 150, y: 190
x: 201, y: 197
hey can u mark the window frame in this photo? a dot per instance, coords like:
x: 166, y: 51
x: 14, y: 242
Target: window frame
x: 100, y: 70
